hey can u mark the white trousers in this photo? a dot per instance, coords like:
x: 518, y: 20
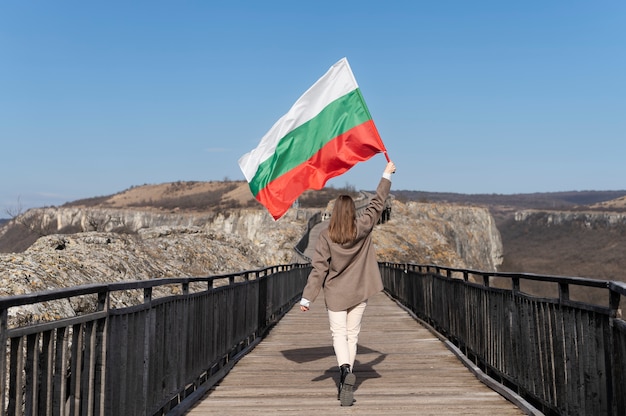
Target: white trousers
x: 345, y: 327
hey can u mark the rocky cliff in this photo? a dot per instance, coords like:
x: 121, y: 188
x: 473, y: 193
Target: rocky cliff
x: 157, y: 244
x: 441, y: 234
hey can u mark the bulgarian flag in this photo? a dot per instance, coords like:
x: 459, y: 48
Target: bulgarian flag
x: 324, y: 134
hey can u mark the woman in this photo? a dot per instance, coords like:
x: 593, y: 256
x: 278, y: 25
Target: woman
x: 345, y: 265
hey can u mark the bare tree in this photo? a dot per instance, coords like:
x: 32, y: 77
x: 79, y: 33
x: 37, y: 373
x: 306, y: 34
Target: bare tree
x: 29, y: 219
x: 98, y: 224
x: 15, y: 212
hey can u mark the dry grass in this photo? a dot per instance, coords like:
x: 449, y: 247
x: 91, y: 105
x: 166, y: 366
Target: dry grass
x: 616, y: 204
x: 199, y: 197
x: 192, y: 195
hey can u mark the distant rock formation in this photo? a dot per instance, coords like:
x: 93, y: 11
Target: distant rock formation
x: 581, y: 219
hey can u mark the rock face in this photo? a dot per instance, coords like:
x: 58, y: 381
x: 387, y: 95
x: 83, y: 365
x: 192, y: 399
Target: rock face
x: 158, y: 245
x: 440, y: 234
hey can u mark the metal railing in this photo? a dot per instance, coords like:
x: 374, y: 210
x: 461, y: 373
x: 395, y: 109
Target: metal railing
x: 153, y: 358
x: 159, y: 356
x: 563, y: 356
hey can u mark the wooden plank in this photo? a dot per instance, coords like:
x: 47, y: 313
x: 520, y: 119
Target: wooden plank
x: 401, y: 368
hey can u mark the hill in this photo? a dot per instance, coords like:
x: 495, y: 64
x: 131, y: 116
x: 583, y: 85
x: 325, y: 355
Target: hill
x: 185, y: 196
x: 223, y: 195
x: 597, y: 200
x: 614, y: 204
x: 198, y: 197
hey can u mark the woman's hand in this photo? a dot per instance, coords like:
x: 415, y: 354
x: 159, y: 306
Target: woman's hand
x: 390, y: 168
x: 304, y: 308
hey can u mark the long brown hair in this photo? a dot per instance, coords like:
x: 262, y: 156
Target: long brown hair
x: 342, y: 227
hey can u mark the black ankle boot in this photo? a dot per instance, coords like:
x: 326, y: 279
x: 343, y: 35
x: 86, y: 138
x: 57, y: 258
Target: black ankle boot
x: 344, y: 369
x: 346, y: 385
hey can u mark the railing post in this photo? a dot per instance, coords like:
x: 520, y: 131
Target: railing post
x: 515, y: 285
x: 147, y: 295
x: 614, y: 356
x: 101, y: 361
x: 262, y: 294
x: 614, y: 300
x: 103, y: 301
x: 563, y: 291
x: 147, y: 298
x: 3, y: 361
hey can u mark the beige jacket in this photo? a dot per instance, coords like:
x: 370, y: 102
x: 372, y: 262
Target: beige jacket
x: 349, y: 272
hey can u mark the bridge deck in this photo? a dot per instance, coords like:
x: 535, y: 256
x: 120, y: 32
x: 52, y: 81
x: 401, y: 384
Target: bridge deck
x: 402, y: 368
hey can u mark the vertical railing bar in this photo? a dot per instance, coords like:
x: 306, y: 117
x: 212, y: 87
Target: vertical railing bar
x: 76, y: 364
x: 16, y: 376
x: 30, y: 374
x: 147, y: 322
x: 89, y: 376
x: 47, y: 367
x: 101, y: 340
x: 613, y: 383
x: 60, y: 371
x: 3, y: 364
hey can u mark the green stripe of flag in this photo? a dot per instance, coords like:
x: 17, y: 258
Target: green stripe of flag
x: 300, y: 144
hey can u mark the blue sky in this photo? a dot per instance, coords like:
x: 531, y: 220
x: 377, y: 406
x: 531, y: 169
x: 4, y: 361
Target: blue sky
x: 469, y: 96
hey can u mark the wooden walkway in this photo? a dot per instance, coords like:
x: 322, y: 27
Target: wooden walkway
x: 401, y: 369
